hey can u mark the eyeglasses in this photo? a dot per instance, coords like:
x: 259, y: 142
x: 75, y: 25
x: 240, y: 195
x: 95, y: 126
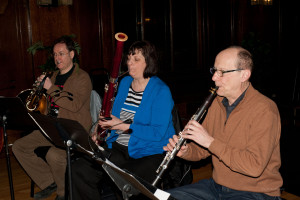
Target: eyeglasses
x: 221, y: 72
x: 60, y: 54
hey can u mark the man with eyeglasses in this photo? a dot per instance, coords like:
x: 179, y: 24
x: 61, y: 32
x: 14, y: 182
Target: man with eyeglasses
x: 241, y: 133
x: 69, y: 90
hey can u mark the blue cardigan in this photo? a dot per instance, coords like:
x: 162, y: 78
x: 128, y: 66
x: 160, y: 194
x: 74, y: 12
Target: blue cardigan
x: 152, y: 125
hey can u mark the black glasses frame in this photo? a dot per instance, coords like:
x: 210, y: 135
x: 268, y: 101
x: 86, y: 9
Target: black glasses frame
x: 220, y: 73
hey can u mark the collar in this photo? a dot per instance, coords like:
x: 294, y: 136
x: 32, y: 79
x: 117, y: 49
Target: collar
x: 229, y: 108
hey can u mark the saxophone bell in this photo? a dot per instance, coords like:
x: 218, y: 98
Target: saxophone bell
x: 35, y: 99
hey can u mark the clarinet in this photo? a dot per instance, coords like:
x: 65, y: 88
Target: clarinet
x: 181, y: 141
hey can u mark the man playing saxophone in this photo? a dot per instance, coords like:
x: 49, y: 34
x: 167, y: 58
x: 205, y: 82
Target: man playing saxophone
x: 69, y: 89
x: 242, y: 134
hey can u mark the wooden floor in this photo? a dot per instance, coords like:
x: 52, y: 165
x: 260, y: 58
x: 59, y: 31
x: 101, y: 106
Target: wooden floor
x: 21, y: 182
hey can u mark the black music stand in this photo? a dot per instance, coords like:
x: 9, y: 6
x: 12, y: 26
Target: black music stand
x: 130, y: 184
x: 71, y: 133
x: 64, y: 133
x: 13, y: 116
x: 56, y: 134
x: 60, y: 130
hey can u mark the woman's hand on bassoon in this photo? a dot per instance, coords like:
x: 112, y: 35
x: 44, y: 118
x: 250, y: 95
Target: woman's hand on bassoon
x: 94, y: 137
x: 114, y: 123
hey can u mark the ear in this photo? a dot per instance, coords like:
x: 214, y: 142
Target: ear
x: 246, y: 73
x: 72, y: 54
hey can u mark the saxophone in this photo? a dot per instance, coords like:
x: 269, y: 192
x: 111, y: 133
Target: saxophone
x: 181, y: 141
x: 37, y: 99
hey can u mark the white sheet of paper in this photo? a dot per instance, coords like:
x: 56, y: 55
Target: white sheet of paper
x: 161, y: 195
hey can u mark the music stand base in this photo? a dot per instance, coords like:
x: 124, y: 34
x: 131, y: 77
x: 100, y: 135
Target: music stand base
x: 8, y: 163
x: 68, y: 148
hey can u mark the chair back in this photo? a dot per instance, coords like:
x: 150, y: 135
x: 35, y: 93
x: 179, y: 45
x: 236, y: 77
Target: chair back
x: 95, y: 107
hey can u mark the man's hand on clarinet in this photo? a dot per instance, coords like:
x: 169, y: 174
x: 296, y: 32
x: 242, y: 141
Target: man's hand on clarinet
x: 196, y: 132
x: 171, y: 145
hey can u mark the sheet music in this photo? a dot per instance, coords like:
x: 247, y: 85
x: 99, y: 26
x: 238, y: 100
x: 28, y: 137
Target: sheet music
x: 161, y: 195
x: 112, y: 164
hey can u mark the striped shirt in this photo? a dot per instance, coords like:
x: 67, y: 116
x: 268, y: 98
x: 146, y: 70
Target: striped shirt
x: 131, y: 105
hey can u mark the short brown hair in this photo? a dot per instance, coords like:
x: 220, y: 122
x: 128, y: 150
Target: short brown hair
x: 149, y: 52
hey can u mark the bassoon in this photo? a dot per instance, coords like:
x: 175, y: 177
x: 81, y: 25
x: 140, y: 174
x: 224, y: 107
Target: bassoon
x: 181, y: 141
x: 111, y: 87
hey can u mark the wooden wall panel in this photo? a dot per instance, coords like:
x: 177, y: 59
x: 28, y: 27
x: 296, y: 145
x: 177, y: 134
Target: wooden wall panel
x: 27, y: 23
x: 15, y: 69
x: 49, y: 23
x: 107, y: 32
x: 85, y: 18
x: 219, y: 23
x: 82, y: 19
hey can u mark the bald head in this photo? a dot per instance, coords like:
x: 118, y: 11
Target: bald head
x: 241, y: 58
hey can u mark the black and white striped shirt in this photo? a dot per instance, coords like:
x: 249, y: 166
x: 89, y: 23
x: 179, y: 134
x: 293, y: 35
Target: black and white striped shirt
x: 131, y: 105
